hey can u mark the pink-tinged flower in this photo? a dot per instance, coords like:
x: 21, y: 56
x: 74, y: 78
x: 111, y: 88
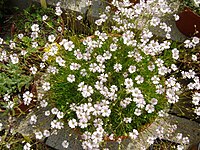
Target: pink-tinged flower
x: 72, y: 123
x: 35, y: 28
x: 65, y: 144
x: 38, y: 135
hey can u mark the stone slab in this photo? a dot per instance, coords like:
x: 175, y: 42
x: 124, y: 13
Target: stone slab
x: 73, y: 138
x: 80, y: 6
x: 187, y: 128
x: 24, y: 127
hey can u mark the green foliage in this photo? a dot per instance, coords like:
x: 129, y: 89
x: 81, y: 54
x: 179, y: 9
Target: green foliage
x: 64, y: 93
x: 192, y: 5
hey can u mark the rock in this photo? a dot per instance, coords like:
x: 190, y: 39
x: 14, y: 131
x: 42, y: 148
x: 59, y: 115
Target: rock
x: 66, y: 133
x: 24, y: 127
x: 176, y: 35
x: 187, y: 128
x: 80, y: 6
x: 184, y: 108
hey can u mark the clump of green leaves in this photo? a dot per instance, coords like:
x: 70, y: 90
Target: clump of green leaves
x: 194, y: 5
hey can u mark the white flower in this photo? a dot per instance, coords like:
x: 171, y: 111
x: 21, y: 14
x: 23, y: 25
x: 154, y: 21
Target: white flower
x: 60, y: 115
x: 20, y: 36
x: 195, y: 40
x: 137, y: 112
x: 58, y: 11
x: 79, y: 17
x: 47, y: 113
x: 6, y: 97
x: 59, y: 29
x: 69, y: 45
x: 46, y: 86
x: 176, y: 17
x: 127, y: 120
x: 134, y: 134
x: 155, y: 21
x: 174, y: 67
x: 105, y: 111
x: 194, y: 57
x: 60, y: 61
x: 46, y: 133
x: 180, y: 147
x: 44, y: 17
x: 136, y: 92
x: 154, y: 101
x: 55, y: 124
x: 113, y: 47
x: 14, y: 58
x: 159, y: 62
x: 51, y: 38
x: 197, y: 3
x: 197, y: 111
x: 33, y: 119
x: 87, y: 91
x: 42, y: 65
x: 1, y: 125
x: 132, y: 69
x: 83, y: 72
x: 118, y: 67
x: 75, y: 66
x: 175, y: 53
x: 27, y: 146
x: 12, y: 45
x: 23, y: 52
x: 150, y: 140
x: 35, y: 28
x: 185, y: 140
x: 196, y: 98
x: 52, y: 70
x: 38, y: 135
x: 103, y: 17
x: 72, y: 123
x: 139, y: 79
x: 1, y: 40
x: 10, y: 105
x: 43, y: 103
x: 128, y: 82
x: 151, y: 67
x: 93, y: 67
x: 27, y: 97
x: 149, y: 108
x: 65, y: 144
x: 71, y: 78
x: 54, y: 111
x: 34, y: 35
x: 33, y: 70
x: 179, y: 136
x: 155, y: 79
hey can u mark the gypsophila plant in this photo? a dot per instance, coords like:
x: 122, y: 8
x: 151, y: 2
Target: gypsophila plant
x: 111, y: 85
x: 107, y: 86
